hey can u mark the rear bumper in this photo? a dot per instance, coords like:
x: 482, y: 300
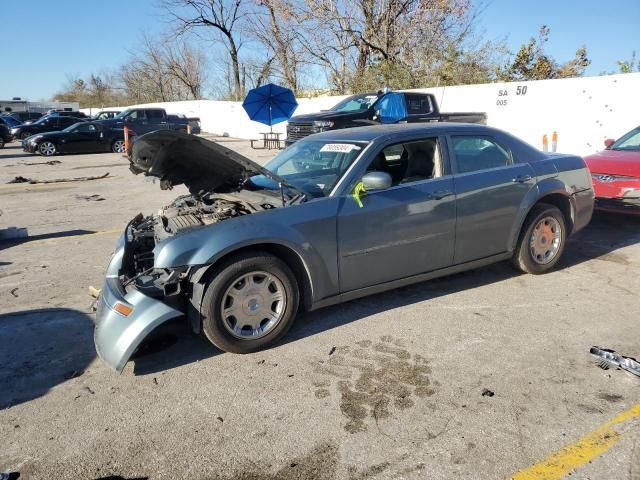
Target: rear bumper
x: 117, y: 336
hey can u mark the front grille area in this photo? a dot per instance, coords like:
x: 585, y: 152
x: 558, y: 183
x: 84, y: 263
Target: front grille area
x: 298, y: 130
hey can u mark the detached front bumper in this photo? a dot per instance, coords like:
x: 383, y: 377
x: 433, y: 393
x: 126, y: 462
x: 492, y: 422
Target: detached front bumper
x: 125, y: 318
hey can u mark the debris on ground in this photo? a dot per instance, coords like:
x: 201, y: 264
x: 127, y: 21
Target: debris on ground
x: 9, y: 476
x: 94, y: 292
x: 50, y: 162
x: 608, y: 358
x: 13, y: 232
x: 487, y: 393
x: 91, y: 198
x: 13, y: 292
x: 333, y: 349
x: 21, y: 179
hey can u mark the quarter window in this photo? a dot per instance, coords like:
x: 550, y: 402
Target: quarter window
x: 479, y: 153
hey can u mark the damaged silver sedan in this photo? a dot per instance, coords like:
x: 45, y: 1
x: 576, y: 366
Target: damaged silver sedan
x: 336, y: 216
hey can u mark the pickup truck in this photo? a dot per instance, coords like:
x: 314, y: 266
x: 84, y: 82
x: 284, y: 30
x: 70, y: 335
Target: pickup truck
x: 145, y: 120
x: 373, y: 109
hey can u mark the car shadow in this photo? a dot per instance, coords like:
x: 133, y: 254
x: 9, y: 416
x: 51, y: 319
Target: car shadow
x: 42, y: 348
x: 169, y: 346
x: 43, y: 236
x: 173, y: 345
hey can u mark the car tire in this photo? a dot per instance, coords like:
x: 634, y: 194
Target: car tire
x: 1, y: 142
x: 542, y: 240
x: 118, y: 146
x: 24, y: 135
x: 47, y: 149
x: 250, y: 303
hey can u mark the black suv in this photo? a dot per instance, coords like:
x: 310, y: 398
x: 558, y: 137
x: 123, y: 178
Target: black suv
x: 44, y: 124
x: 25, y: 116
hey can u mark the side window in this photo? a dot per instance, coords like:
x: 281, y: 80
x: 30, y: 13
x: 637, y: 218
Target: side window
x: 135, y: 115
x: 409, y: 162
x: 86, y: 128
x: 418, y: 104
x: 475, y: 152
x: 155, y: 114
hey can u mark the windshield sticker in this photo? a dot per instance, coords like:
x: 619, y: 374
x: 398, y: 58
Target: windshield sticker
x: 339, y: 147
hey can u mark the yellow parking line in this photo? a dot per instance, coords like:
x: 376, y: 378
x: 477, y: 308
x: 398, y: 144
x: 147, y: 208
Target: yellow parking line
x: 576, y: 454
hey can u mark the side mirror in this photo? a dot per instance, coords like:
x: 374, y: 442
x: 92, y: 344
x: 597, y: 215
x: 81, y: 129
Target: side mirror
x: 377, y: 181
x: 608, y: 142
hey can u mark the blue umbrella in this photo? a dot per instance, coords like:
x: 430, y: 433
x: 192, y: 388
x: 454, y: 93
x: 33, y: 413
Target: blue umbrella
x: 270, y: 104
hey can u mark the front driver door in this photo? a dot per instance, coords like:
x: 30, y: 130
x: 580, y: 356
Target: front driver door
x: 404, y: 230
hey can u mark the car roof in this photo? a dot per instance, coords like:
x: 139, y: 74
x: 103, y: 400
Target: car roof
x: 375, y: 132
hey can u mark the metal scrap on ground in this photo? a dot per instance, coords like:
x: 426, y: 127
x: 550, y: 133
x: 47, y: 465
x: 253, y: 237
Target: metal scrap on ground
x: 609, y: 358
x: 21, y: 179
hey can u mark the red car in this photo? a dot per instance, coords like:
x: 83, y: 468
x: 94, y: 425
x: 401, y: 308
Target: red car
x: 615, y: 173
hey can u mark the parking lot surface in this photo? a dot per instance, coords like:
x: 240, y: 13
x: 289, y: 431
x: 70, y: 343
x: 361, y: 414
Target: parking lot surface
x: 479, y: 375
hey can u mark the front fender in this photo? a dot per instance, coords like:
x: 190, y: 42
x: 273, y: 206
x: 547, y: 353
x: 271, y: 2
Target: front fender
x: 308, y: 230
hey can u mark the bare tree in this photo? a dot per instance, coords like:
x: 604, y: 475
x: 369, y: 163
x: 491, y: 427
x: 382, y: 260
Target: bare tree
x: 187, y: 65
x: 223, y: 17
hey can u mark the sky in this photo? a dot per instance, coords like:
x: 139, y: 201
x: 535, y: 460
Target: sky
x: 46, y: 41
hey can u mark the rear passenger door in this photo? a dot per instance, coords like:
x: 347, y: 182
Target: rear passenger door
x: 490, y: 186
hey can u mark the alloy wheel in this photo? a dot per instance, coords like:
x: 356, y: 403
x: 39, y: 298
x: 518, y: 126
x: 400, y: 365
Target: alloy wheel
x: 47, y: 149
x: 118, y: 146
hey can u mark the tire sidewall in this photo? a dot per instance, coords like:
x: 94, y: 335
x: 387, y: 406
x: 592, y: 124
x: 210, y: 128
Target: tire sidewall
x: 524, y: 255
x: 222, y: 278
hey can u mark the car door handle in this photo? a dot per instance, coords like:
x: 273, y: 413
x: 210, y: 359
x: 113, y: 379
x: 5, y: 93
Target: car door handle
x: 439, y: 194
x: 522, y: 179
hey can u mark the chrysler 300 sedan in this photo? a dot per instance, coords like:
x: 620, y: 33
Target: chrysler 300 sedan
x: 336, y: 216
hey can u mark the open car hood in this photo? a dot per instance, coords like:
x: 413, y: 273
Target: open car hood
x: 201, y: 165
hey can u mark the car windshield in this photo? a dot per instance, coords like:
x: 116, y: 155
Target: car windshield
x: 630, y: 141
x: 312, y: 166
x: 355, y: 103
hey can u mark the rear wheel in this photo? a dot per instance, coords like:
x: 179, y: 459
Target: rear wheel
x: 118, y: 146
x: 542, y: 240
x: 47, y: 149
x: 250, y: 303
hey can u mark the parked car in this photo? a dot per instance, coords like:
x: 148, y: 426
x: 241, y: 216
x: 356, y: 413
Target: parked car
x: 144, y: 120
x: 25, y: 116
x: 5, y: 135
x: 82, y: 137
x: 67, y: 113
x: 616, y: 174
x: 9, y: 121
x: 334, y: 217
x: 106, y: 115
x: 193, y: 121
x: 44, y: 124
x: 375, y: 108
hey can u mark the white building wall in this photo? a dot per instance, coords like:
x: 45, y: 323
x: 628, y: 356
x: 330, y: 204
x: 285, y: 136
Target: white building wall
x: 583, y: 111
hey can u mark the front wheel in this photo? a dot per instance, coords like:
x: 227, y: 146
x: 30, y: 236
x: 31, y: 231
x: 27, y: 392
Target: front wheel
x: 47, y: 149
x: 250, y: 303
x: 118, y: 146
x: 541, y: 241
x: 24, y: 135
x: 1, y: 142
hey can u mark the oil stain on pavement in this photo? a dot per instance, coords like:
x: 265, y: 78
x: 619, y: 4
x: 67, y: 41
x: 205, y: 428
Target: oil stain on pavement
x: 372, y: 379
